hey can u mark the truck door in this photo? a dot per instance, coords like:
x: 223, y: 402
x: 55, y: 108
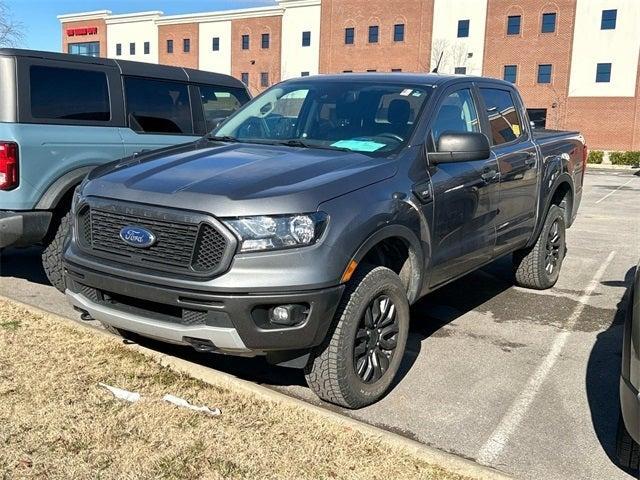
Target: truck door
x: 158, y: 114
x: 465, y: 195
x: 517, y: 157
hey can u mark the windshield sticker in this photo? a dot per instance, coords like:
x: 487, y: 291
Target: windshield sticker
x: 359, y: 145
x: 406, y: 92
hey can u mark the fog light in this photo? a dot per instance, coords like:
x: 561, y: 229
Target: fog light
x: 288, y: 314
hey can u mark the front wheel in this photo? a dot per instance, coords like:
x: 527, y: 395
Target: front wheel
x: 627, y: 450
x: 52, y: 254
x: 538, y: 267
x: 361, y: 355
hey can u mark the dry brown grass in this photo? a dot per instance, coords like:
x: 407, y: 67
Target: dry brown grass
x: 56, y: 423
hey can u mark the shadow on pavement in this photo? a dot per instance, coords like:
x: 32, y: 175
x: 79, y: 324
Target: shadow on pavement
x: 603, y: 374
x: 23, y: 263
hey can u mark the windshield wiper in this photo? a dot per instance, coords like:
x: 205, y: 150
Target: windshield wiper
x: 223, y: 138
x: 296, y: 142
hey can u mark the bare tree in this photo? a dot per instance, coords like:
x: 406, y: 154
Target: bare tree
x: 11, y: 30
x: 453, y: 54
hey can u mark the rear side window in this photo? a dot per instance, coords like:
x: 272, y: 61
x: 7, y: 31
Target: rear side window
x: 504, y: 119
x: 220, y: 102
x: 158, y: 106
x: 69, y: 94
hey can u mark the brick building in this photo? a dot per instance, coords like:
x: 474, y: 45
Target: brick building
x: 576, y: 62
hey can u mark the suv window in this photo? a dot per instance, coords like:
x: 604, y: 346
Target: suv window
x: 220, y: 102
x: 457, y: 113
x: 69, y: 94
x: 504, y: 119
x: 158, y: 106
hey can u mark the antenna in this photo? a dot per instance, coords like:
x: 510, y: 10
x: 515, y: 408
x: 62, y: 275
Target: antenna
x: 435, y: 70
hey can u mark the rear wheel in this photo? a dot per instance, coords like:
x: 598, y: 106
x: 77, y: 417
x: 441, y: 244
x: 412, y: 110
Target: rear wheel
x: 52, y: 254
x: 627, y: 450
x: 538, y: 267
x: 361, y: 355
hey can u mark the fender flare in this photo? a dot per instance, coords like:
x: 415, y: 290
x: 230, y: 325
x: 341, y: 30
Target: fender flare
x: 562, y: 178
x: 58, y: 189
x: 416, y: 256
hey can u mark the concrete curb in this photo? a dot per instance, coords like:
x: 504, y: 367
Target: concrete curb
x: 609, y: 167
x: 450, y: 462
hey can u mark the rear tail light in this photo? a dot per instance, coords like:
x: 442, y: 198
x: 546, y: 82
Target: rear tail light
x: 8, y: 165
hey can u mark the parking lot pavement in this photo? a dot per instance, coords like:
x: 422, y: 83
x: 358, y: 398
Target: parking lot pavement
x: 522, y: 380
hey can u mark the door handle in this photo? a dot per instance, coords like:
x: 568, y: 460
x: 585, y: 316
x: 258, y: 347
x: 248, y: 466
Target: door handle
x: 490, y: 175
x: 530, y: 160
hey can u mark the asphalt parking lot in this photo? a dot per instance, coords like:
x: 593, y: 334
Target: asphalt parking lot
x: 521, y: 380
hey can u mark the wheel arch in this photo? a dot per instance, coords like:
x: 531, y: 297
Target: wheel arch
x: 561, y: 193
x: 62, y: 188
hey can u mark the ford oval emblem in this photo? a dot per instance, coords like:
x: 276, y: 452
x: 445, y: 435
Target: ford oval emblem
x: 137, y: 236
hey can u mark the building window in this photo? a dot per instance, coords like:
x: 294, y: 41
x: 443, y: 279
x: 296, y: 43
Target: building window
x: 349, y: 36
x: 510, y: 73
x: 609, y: 18
x: 347, y: 71
x: 398, y: 32
x: 544, y: 73
x: 463, y: 28
x: 306, y: 39
x: 373, y: 34
x: 396, y: 70
x: 265, y: 40
x: 186, y: 45
x: 264, y: 79
x: 460, y: 70
x: 548, y: 23
x: 118, y: 49
x: 169, y: 46
x: 513, y: 24
x: 245, y: 78
x: 603, y: 73
x: 132, y: 49
x: 215, y: 44
x: 147, y: 48
x: 372, y: 70
x: 245, y: 42
x: 88, y: 49
x: 304, y: 74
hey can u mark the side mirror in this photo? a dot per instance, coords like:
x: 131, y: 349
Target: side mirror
x: 461, y: 147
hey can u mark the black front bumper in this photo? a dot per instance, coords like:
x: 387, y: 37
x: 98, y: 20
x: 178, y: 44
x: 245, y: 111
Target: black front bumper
x: 21, y: 229
x: 246, y: 313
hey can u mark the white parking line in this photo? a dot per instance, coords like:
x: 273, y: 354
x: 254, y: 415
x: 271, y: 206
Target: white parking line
x: 614, y: 191
x: 500, y: 436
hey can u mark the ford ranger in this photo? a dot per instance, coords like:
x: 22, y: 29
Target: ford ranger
x: 305, y: 225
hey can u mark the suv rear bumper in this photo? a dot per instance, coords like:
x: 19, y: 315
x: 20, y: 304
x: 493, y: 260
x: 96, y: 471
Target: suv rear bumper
x: 23, y: 228
x: 230, y: 323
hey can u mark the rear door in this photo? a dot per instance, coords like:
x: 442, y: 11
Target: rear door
x: 158, y: 114
x: 465, y: 194
x: 517, y: 157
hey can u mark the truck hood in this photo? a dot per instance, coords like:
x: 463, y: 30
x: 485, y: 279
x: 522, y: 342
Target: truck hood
x: 238, y: 179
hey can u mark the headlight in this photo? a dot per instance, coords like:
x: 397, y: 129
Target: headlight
x: 275, y: 233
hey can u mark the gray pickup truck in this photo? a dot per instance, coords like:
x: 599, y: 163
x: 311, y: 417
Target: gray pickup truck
x: 305, y: 225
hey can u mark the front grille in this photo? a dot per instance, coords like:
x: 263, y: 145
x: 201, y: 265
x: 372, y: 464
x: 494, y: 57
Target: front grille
x: 196, y: 247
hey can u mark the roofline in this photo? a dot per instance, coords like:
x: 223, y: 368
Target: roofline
x: 222, y: 15
x: 134, y: 17
x: 80, y: 16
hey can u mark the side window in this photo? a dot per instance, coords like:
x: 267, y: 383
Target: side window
x: 220, y: 102
x: 457, y: 113
x: 506, y: 125
x: 157, y: 106
x: 77, y: 95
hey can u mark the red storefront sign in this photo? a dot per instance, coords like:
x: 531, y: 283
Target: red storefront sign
x: 77, y: 32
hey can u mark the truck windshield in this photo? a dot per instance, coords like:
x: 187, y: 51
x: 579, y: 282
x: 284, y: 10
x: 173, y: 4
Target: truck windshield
x: 371, y: 118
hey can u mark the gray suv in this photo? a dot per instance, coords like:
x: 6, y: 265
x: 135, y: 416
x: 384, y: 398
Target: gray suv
x: 306, y: 224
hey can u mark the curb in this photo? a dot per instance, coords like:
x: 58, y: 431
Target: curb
x: 448, y: 461
x: 608, y: 167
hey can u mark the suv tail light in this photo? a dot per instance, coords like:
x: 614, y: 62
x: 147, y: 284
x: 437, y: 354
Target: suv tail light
x: 8, y: 165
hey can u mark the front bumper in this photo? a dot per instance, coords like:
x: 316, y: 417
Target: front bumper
x: 23, y: 228
x: 230, y: 323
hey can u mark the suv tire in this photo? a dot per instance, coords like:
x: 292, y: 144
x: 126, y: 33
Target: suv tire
x: 627, y: 450
x: 52, y: 254
x: 538, y: 267
x: 357, y: 362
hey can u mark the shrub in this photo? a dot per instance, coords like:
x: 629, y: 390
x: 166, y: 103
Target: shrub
x: 595, y: 156
x: 625, y: 158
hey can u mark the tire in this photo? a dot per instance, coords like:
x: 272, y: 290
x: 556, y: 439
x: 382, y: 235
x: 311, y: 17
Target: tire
x: 538, y: 267
x: 331, y: 371
x: 627, y: 450
x: 52, y: 254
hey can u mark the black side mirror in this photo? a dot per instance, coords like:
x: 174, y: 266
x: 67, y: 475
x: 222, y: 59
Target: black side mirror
x: 461, y: 147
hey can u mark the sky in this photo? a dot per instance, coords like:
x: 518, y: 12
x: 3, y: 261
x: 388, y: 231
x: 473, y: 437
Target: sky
x: 42, y: 29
